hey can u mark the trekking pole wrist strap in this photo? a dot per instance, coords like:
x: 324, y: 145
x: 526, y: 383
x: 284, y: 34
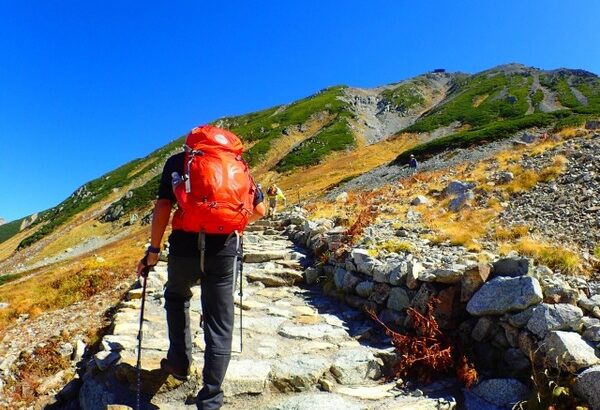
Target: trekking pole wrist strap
x: 152, y: 249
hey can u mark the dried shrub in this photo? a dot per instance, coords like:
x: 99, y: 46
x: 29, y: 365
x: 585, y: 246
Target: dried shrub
x: 428, y: 352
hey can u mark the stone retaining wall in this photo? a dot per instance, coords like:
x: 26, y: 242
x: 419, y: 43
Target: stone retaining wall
x: 510, y: 311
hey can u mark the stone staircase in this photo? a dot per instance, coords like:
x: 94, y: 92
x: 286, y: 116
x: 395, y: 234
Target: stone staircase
x: 301, y: 350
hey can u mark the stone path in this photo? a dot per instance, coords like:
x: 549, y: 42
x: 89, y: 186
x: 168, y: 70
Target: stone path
x: 301, y: 350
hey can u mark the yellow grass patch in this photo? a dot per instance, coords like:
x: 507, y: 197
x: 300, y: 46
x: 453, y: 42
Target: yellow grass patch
x: 478, y: 100
x: 311, y: 182
x: 556, y: 257
x: 59, y: 285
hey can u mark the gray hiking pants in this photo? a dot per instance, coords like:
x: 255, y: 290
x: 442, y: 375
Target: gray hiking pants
x: 217, y: 285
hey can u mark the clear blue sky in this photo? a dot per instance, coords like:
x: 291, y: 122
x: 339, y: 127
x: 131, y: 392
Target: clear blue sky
x: 86, y: 86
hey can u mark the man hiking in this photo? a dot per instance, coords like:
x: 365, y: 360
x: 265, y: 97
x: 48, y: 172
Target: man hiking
x: 413, y: 164
x: 274, y: 193
x: 216, y: 197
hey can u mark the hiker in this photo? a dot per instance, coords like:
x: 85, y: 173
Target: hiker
x: 206, y: 246
x: 412, y: 164
x: 274, y: 193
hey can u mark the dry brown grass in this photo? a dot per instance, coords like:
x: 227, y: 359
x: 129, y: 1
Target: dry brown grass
x: 553, y: 256
x: 311, y: 182
x: 62, y: 284
x: 511, y: 233
x: 478, y: 100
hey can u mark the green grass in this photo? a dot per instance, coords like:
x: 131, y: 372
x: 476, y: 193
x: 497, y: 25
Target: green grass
x: 10, y: 229
x: 140, y: 197
x: 506, y: 99
x: 565, y: 95
x: 404, y: 97
x: 98, y: 189
x: 495, y: 131
x: 8, y: 278
x: 537, y: 98
x: 335, y: 137
x: 267, y: 125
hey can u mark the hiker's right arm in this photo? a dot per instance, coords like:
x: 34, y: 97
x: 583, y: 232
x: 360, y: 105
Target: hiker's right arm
x: 160, y: 220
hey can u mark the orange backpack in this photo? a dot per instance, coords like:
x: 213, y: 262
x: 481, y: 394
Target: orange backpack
x: 217, y: 192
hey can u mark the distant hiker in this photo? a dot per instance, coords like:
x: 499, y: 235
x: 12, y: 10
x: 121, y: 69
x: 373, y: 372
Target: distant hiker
x: 206, y: 246
x: 274, y: 193
x: 413, y: 164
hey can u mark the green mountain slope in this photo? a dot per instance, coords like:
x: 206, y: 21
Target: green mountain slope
x: 469, y: 109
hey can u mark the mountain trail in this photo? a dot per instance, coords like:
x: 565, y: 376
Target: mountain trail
x: 301, y: 350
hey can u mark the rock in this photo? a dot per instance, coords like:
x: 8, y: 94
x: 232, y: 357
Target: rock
x: 568, y: 351
x: 312, y: 401
x: 511, y: 267
x: 502, y: 392
x: 105, y: 359
x: 515, y: 361
x: 472, y: 279
x: 312, y: 332
x: 65, y: 350
x: 592, y: 125
x: 458, y: 188
x: 70, y: 390
x: 246, y: 377
x: 363, y: 261
x: 298, y: 373
x: 587, y: 386
x: 504, y: 294
x: 521, y: 319
x: 265, y: 256
x: 446, y: 276
x: 505, y: 177
x: 311, y: 275
x: 458, y: 203
x: 367, y: 393
x: 350, y: 282
x: 52, y: 383
x: 414, y: 270
x: 380, y: 293
x: 339, y: 276
x: 342, y: 198
x: 419, y: 200
x: 560, y: 316
x: 365, y: 289
x: 397, y: 275
x: 355, y: 366
x: 398, y: 299
x: 483, y: 328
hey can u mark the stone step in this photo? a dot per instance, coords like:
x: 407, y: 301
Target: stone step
x: 274, y: 277
x: 265, y: 256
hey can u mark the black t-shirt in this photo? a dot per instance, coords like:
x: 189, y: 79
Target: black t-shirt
x: 183, y: 243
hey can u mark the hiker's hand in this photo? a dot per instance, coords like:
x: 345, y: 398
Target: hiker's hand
x: 150, y: 260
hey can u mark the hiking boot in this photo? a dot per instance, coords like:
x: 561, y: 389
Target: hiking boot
x: 173, y: 371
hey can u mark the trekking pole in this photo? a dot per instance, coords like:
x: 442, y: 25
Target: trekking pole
x: 140, y: 332
x: 241, y: 310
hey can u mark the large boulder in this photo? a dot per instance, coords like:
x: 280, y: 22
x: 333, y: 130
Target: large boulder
x: 561, y: 316
x: 458, y: 188
x: 587, y: 386
x: 568, y: 351
x: 503, y: 294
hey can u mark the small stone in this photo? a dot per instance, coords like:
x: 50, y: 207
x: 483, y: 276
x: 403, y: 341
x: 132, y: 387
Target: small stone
x: 502, y: 392
x: 105, y: 359
x: 483, y: 329
x: 365, y: 289
x: 472, y: 279
x: 419, y: 200
x: 512, y: 267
